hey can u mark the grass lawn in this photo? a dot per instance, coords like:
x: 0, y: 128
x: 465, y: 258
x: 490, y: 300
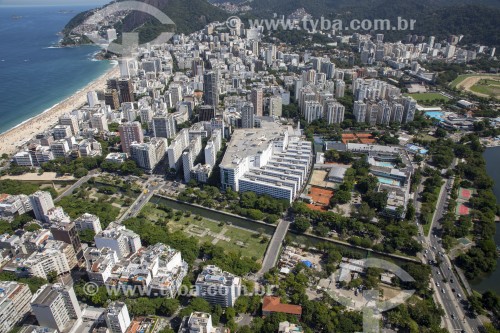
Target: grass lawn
x: 427, y: 228
x: 428, y: 97
x: 459, y: 79
x: 487, y: 87
x: 232, y: 238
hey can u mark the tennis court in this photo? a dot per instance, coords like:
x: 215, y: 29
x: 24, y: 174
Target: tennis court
x: 462, y: 210
x: 465, y: 193
x: 320, y: 195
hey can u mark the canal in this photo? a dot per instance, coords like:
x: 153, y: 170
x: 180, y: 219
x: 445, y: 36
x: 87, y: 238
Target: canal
x: 490, y: 281
x: 266, y: 228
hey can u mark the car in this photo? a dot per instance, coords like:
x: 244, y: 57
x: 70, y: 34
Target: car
x: 437, y: 284
x: 459, y: 296
x: 442, y: 290
x: 453, y: 316
x: 451, y: 280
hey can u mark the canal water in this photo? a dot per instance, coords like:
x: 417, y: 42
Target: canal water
x: 212, y: 215
x: 268, y: 229
x: 491, y: 281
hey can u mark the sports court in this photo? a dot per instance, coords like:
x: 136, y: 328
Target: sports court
x: 320, y: 195
x: 464, y: 193
x: 462, y: 209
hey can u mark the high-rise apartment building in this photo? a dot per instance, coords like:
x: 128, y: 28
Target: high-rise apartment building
x: 126, y: 90
x: 55, y: 306
x: 15, y: 300
x: 211, y: 89
x: 99, y: 121
x: 112, y: 99
x: 275, y: 106
x: 130, y: 132
x: 41, y: 202
x: 71, y: 121
x: 67, y: 232
x: 247, y: 115
x: 148, y: 155
x: 409, y: 109
x: 258, y: 101
x: 117, y: 317
x: 119, y: 239
x: 218, y: 287
x: 164, y: 125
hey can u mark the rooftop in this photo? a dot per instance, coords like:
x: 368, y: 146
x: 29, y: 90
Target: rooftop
x: 273, y: 304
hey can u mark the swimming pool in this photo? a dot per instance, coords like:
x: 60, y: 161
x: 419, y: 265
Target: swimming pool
x: 385, y: 164
x: 435, y: 115
x: 388, y: 181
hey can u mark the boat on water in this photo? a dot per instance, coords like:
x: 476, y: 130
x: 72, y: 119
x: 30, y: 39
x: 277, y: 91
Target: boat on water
x: 16, y: 17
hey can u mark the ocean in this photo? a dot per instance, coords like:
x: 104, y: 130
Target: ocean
x: 34, y: 73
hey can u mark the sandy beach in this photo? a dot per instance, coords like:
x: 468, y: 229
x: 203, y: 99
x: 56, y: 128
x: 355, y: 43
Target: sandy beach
x: 11, y: 140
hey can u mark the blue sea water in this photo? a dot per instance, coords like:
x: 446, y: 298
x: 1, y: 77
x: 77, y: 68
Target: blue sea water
x: 34, y: 74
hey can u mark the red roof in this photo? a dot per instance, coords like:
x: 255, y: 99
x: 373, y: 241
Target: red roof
x: 273, y: 304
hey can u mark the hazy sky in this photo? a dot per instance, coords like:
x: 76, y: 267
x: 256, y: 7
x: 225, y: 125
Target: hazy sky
x: 52, y: 2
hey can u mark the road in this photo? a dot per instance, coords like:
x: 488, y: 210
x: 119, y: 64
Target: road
x: 76, y: 185
x: 150, y: 187
x: 273, y: 249
x: 445, y: 282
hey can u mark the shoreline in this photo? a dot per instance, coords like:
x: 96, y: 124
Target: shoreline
x: 14, y: 138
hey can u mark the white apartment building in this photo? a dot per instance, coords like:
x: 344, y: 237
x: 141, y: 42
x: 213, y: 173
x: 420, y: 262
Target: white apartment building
x: 55, y: 306
x: 117, y: 317
x: 359, y: 110
x: 275, y: 106
x: 218, y: 287
x: 197, y: 322
x: 88, y: 222
x: 158, y: 269
x: 334, y: 112
x: 54, y: 256
x: 71, y: 121
x: 164, y: 125
x: 11, y: 205
x: 313, y: 110
x: 269, y: 160
x: 176, y: 148
x: 119, y: 239
x: 99, y: 263
x: 61, y: 132
x: 148, y: 155
x: 189, y: 156
x: 15, y: 300
x: 41, y: 202
x: 60, y: 148
x: 99, y: 121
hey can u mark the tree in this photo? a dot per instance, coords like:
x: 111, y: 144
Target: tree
x: 80, y: 172
x: 301, y: 224
x: 440, y: 133
x: 340, y: 197
x: 168, y: 306
x: 52, y: 276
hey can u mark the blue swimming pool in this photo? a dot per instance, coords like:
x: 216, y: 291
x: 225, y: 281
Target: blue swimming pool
x: 435, y: 115
x: 388, y: 181
x: 385, y: 164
